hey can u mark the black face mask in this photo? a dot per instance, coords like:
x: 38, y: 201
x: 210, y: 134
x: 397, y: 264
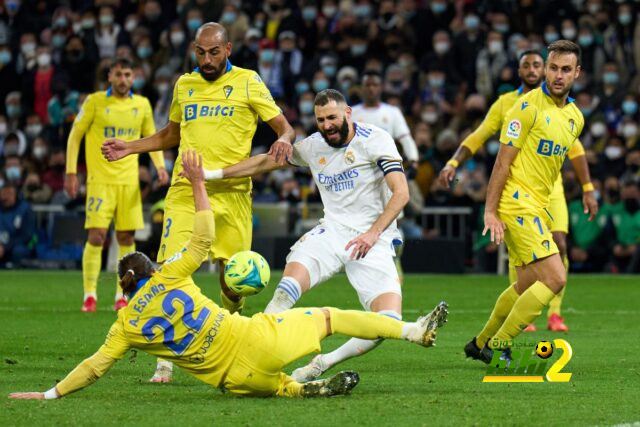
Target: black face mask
x: 631, y: 205
x: 614, y: 194
x: 143, y: 185
x: 32, y: 187
x: 58, y: 168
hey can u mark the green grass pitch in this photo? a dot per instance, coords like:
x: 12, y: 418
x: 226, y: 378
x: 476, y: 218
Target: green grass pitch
x: 44, y: 335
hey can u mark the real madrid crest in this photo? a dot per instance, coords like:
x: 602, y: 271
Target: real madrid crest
x: 349, y: 157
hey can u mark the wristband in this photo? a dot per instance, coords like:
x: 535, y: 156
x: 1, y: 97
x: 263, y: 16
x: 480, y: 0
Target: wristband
x: 587, y: 187
x: 212, y: 175
x: 453, y: 163
x: 51, y: 394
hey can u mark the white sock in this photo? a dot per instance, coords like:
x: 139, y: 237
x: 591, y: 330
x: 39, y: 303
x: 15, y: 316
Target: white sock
x: 119, y: 295
x: 408, y: 329
x: 354, y: 347
x: 90, y: 294
x: 164, y: 364
x: 286, y: 295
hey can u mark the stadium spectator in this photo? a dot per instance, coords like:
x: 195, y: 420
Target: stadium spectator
x: 17, y: 226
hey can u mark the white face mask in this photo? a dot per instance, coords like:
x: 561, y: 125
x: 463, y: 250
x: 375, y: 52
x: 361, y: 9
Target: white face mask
x: 163, y: 87
x: 495, y: 46
x: 177, y: 37
x: 28, y: 49
x: 44, y: 59
x: 3, y: 128
x: 33, y: 130
x: 613, y: 152
x: 569, y: 33
x: 598, y: 129
x: 130, y: 25
x: 39, y: 152
x: 429, y: 116
x: 629, y: 130
x: 441, y: 47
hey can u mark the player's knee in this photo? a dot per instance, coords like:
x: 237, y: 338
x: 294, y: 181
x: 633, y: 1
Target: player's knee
x: 327, y: 317
x: 557, y: 280
x: 125, y: 238
x: 97, y: 236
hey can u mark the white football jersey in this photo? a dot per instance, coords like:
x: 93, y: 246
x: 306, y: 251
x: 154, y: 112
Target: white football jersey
x: 390, y: 118
x: 351, y: 178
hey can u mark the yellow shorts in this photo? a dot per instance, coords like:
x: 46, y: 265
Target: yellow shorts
x: 271, y: 343
x: 558, y: 208
x: 106, y: 202
x: 232, y: 215
x: 528, y: 236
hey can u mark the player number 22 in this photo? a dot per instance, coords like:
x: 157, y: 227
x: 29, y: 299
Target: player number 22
x: 192, y: 323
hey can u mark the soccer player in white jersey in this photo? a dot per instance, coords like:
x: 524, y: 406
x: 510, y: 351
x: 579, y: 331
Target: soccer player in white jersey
x: 358, y: 171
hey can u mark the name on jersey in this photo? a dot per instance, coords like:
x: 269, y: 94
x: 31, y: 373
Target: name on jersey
x: 113, y: 132
x: 548, y: 148
x: 340, y: 181
x: 208, y: 339
x: 193, y: 111
x: 144, y: 300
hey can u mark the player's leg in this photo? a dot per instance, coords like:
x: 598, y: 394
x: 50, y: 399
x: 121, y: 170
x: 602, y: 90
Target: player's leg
x: 555, y: 321
x: 91, y: 266
x: 126, y: 245
x: 312, y: 260
x: 559, y: 226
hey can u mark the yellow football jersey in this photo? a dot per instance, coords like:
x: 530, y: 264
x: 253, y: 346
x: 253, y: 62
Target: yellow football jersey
x: 544, y: 134
x: 218, y: 119
x: 105, y: 116
x: 168, y: 316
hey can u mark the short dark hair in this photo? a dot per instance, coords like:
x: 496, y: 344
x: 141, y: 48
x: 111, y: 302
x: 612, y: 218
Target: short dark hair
x: 530, y: 52
x: 371, y: 73
x: 325, y: 96
x: 122, y: 62
x: 564, y: 47
x: 133, y: 267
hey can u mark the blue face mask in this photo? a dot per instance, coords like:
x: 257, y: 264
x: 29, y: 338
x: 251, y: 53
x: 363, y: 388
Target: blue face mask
x: 267, y: 55
x: 193, y: 57
x: 13, y: 173
x: 438, y: 8
x: 144, y: 52
x: 502, y: 28
x: 13, y: 111
x: 578, y: 87
x: 309, y: 13
x: 329, y: 70
x: 58, y: 40
x: 629, y: 107
x: 306, y: 107
x: 362, y: 10
x: 493, y: 147
x: 168, y: 165
x: 436, y: 82
x: 320, y: 85
x: 586, y: 111
x: 610, y: 77
x: 193, y: 24
x: 358, y: 49
x: 228, y: 17
x: 302, y: 87
x: 61, y: 22
x: 585, y: 40
x: 138, y: 83
x: 472, y: 22
x: 624, y: 19
x: 345, y: 86
x: 5, y: 57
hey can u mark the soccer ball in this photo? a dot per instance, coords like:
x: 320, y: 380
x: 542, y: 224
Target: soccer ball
x: 544, y: 349
x: 247, y: 273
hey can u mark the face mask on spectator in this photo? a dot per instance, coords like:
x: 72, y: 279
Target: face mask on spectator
x: 495, y: 46
x: 345, y: 86
x: 629, y: 130
x: 329, y: 70
x: 502, y: 28
x: 131, y: 25
x: 267, y: 55
x: 320, y: 85
x: 302, y: 87
x: 3, y: 129
x: 138, y: 83
x: 493, y: 147
x: 193, y: 24
x: 44, y: 60
x: 593, y: 8
x: 88, y: 23
x: 13, y: 111
x: 228, y: 17
x: 5, y: 57
x: 358, y: 49
x: 106, y: 20
x: 550, y: 37
x: 471, y: 22
x: 610, y: 77
x: 631, y: 205
x: 177, y: 38
x: 362, y: 10
x: 163, y: 87
x: 436, y: 82
x: 309, y: 13
x: 578, y: 87
x: 10, y: 150
x: 329, y: 11
x: 28, y: 49
x: 58, y: 40
x: 429, y: 117
x: 168, y: 165
x: 60, y: 22
x: 143, y: 52
x: 438, y: 8
x: 13, y: 173
x: 613, y: 152
x: 585, y: 40
x: 630, y: 107
x: 193, y: 57
x: 39, y: 152
x: 598, y: 129
x: 624, y: 19
x: 441, y: 47
x: 306, y: 107
x: 33, y: 130
x: 569, y: 33
x: 586, y: 111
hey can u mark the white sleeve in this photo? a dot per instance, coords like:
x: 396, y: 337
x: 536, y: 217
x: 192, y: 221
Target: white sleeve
x: 299, y: 154
x: 402, y: 134
x: 383, y: 152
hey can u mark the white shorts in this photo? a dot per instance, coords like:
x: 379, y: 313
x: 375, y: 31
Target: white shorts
x: 321, y: 251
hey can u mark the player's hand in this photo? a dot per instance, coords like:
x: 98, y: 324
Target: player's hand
x: 27, y: 395
x: 71, y: 185
x: 115, y: 149
x: 362, y: 244
x: 163, y: 176
x: 590, y: 204
x: 192, y: 166
x: 281, y: 150
x: 446, y: 176
x: 493, y: 224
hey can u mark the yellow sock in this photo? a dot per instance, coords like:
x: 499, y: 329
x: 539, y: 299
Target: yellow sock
x: 122, y: 251
x: 528, y: 306
x: 91, y: 263
x: 288, y: 387
x: 365, y: 325
x: 556, y: 303
x: 513, y: 274
x: 501, y: 310
x: 232, y: 306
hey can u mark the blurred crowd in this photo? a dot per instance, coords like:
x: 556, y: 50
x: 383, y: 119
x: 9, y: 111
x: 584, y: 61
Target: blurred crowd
x: 443, y: 63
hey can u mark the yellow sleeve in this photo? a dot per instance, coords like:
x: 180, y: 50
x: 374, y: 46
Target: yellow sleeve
x: 85, y: 374
x: 260, y: 98
x: 489, y: 126
x: 185, y: 262
x: 148, y: 129
x: 175, y: 113
x: 80, y: 125
x: 577, y: 150
x: 517, y: 123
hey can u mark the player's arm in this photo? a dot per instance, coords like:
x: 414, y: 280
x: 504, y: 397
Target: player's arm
x: 579, y: 162
x: 254, y: 165
x: 187, y: 261
x: 282, y: 147
x: 169, y: 136
x: 80, y: 126
x: 397, y: 182
x: 87, y: 372
x: 472, y: 143
x: 402, y: 134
